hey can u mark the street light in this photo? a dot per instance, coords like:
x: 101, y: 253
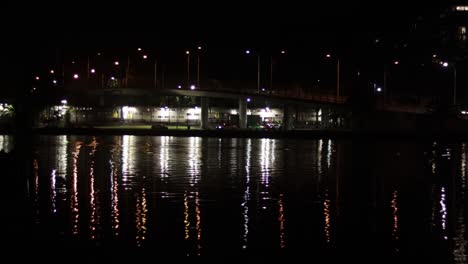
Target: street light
x: 76, y: 76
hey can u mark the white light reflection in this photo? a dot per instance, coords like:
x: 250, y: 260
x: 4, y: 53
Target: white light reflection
x: 114, y: 191
x: 267, y: 157
x: 329, y: 153
x: 246, y: 197
x: 265, y: 160
x: 443, y: 212
x: 53, y: 193
x: 319, y: 161
x: 61, y: 161
x: 164, y: 156
x: 194, y: 160
x: 326, y: 216
x: 94, y: 217
x: 74, y: 194
x: 128, y: 161
x: 281, y: 220
x: 186, y: 217
x: 394, y: 205
x: 460, y: 243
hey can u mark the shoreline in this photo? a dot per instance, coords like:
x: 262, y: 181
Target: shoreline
x: 292, y: 134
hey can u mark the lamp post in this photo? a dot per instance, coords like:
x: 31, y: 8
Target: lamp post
x: 337, y: 75
x: 188, y: 67
x: 453, y: 65
x: 271, y: 69
x: 258, y: 70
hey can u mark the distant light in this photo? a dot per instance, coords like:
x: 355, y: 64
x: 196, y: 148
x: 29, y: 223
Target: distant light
x: 247, y: 52
x: 99, y: 53
x: 145, y: 56
x: 196, y: 107
x: 112, y: 78
x: 93, y: 71
x: 328, y: 55
x: 34, y: 88
x: 64, y: 102
x: 179, y: 86
x: 283, y: 52
x: 434, y: 55
x: 187, y: 52
x: 116, y: 63
x: 377, y: 40
x: 37, y: 78
x: 263, y: 89
x: 463, y: 112
x: 461, y: 8
x: 192, y: 87
x: 52, y: 71
x: 139, y: 49
x: 248, y: 100
x: 445, y: 64
x: 379, y: 89
x: 165, y: 107
x: 54, y: 81
x: 73, y: 62
x: 396, y: 62
x: 318, y: 80
x: 199, y: 47
x: 76, y: 76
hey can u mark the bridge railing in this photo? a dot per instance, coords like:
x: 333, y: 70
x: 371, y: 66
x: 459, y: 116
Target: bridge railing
x: 326, y: 98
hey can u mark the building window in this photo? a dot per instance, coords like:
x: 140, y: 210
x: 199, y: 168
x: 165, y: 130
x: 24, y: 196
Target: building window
x: 462, y: 33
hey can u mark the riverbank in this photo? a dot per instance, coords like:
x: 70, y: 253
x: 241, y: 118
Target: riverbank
x: 235, y: 133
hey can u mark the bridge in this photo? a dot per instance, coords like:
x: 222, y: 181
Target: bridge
x: 292, y: 104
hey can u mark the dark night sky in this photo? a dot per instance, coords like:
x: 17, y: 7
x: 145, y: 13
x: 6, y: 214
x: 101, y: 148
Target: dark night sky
x: 338, y: 26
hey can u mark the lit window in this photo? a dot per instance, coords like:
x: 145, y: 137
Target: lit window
x: 462, y: 33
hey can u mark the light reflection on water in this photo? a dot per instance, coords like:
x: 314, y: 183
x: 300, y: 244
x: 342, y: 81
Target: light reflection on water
x: 280, y: 195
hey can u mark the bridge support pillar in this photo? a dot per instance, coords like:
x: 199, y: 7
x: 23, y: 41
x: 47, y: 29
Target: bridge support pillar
x: 288, y: 117
x: 242, y: 113
x: 205, y: 105
x: 325, y: 118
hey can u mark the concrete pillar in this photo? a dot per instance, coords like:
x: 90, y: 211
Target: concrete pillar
x: 242, y: 113
x: 205, y: 105
x: 325, y: 118
x: 288, y: 117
